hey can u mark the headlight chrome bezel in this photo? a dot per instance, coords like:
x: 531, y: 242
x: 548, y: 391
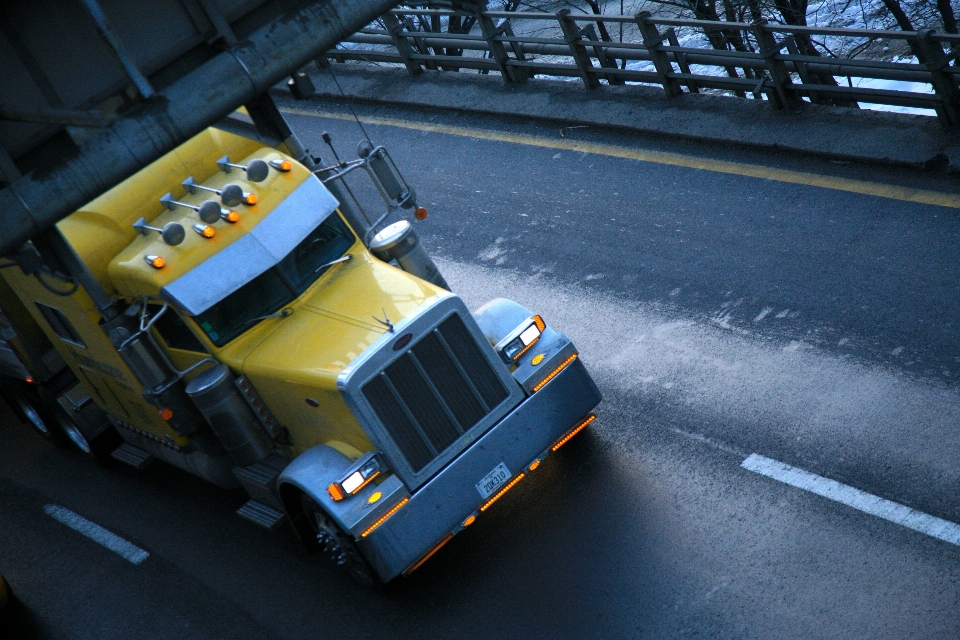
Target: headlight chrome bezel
x: 521, y: 339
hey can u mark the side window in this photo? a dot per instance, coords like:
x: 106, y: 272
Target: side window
x: 175, y: 331
x: 60, y: 325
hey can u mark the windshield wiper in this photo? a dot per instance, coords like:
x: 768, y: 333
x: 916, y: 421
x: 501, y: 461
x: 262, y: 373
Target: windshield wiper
x: 279, y: 314
x: 333, y: 262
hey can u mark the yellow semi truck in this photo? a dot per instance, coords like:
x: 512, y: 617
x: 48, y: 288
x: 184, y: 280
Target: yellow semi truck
x: 220, y: 312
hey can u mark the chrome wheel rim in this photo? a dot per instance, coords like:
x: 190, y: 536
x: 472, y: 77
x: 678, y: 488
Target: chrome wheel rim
x: 33, y: 417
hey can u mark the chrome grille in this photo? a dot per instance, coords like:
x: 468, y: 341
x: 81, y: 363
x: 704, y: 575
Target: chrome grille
x: 435, y: 392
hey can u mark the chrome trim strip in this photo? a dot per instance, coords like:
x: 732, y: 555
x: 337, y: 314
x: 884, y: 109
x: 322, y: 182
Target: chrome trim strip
x: 261, y: 248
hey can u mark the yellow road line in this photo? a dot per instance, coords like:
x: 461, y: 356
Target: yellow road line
x: 892, y: 192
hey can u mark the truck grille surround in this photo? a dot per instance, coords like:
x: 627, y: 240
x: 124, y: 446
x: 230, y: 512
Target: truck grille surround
x: 434, y: 393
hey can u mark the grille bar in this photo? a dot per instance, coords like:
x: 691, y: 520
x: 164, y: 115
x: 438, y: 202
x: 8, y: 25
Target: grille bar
x: 435, y: 392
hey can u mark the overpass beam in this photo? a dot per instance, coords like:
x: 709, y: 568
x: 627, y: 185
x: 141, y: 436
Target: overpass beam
x: 158, y: 125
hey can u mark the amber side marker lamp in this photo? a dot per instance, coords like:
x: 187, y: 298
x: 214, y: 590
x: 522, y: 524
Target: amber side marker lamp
x: 281, y: 165
x: 420, y: 213
x: 336, y: 492
x: 230, y: 216
x: 499, y: 494
x: 428, y: 555
x: 166, y: 414
x: 569, y: 434
x: 249, y: 199
x: 384, y: 517
x: 155, y: 261
x: 553, y: 374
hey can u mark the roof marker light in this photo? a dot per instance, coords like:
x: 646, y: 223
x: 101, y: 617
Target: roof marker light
x: 205, y: 230
x: 230, y: 215
x: 172, y: 232
x: 257, y: 170
x: 281, y: 165
x: 209, y: 210
x: 155, y: 261
x: 230, y: 196
x: 250, y: 199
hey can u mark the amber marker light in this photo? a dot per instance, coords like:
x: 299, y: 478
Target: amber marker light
x: 534, y: 465
x: 29, y: 380
x: 335, y: 492
x: 230, y: 216
x: 470, y: 520
x: 384, y: 518
x: 553, y: 374
x: 499, y: 494
x: 427, y: 555
x: 374, y: 497
x: 155, y: 261
x: 281, y: 165
x: 569, y: 434
x: 249, y: 199
x: 205, y: 230
x: 420, y: 213
x: 166, y: 414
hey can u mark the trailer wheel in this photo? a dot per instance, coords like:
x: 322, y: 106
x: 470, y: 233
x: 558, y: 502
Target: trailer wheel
x: 337, y: 545
x: 25, y: 403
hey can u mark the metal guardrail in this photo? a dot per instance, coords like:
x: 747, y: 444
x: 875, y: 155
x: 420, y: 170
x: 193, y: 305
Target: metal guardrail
x: 768, y: 61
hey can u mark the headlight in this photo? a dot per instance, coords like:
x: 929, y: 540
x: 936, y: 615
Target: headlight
x: 359, y: 475
x: 521, y: 339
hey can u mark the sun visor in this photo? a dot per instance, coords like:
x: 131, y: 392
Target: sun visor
x: 262, y: 248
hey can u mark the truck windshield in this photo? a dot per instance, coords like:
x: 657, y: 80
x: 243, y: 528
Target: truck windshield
x: 279, y: 285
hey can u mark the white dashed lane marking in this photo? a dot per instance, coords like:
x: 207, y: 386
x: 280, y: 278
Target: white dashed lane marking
x: 860, y: 500
x: 123, y: 548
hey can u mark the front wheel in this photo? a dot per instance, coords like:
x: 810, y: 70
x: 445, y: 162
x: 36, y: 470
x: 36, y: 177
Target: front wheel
x: 338, y: 546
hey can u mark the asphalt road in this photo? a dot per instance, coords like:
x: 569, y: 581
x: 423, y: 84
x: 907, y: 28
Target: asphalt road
x: 722, y: 315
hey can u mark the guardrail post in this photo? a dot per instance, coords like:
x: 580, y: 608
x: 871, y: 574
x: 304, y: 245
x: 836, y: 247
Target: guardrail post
x: 401, y: 43
x: 497, y: 51
x: 785, y: 95
x: 653, y: 41
x: 943, y: 83
x: 573, y: 37
x: 671, y: 35
x: 602, y: 56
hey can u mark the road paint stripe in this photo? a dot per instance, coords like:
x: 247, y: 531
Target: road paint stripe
x: 123, y: 548
x: 849, y: 185
x: 860, y: 500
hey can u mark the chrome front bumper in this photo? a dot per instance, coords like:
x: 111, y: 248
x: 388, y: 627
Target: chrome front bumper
x: 440, y: 506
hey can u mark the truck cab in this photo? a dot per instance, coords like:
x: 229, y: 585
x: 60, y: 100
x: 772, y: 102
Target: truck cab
x: 219, y: 311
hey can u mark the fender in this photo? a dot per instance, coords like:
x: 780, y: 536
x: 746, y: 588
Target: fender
x: 499, y: 317
x: 312, y: 472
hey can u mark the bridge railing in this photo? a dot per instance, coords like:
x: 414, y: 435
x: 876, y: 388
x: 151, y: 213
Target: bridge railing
x: 767, y: 61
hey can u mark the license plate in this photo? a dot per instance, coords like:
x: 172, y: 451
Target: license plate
x: 493, y: 480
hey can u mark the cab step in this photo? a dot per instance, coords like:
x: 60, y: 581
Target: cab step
x: 259, y: 513
x: 131, y: 455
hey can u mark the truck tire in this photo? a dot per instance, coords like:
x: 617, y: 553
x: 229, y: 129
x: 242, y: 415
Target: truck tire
x: 97, y: 448
x: 26, y: 404
x: 338, y: 546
